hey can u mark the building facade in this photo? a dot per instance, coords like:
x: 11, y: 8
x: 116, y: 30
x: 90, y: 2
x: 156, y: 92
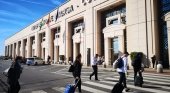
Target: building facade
x: 104, y: 27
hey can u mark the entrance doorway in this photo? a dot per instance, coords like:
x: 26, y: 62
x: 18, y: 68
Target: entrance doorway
x: 77, y: 49
x: 114, y: 49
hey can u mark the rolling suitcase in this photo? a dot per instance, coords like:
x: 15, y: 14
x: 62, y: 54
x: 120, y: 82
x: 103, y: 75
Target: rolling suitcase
x: 118, y: 88
x: 138, y: 81
x: 70, y: 88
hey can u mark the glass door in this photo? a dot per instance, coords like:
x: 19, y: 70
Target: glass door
x: 114, y: 49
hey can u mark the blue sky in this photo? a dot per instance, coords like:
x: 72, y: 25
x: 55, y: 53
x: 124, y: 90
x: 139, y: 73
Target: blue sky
x: 17, y: 14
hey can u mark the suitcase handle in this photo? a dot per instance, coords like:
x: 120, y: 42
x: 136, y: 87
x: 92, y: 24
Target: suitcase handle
x: 77, y: 82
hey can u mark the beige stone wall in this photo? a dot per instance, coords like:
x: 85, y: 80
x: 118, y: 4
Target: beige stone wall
x: 142, y: 32
x: 141, y: 28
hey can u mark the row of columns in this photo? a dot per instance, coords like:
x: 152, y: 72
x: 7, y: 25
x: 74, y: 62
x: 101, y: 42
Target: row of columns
x: 24, y: 47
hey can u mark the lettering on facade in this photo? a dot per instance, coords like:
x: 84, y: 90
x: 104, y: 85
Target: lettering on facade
x: 84, y: 2
x: 64, y: 12
x: 43, y: 22
x: 58, y: 15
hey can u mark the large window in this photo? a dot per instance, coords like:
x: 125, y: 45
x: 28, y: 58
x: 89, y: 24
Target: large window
x: 57, y: 32
x: 114, y: 49
x: 113, y: 12
x: 78, y: 26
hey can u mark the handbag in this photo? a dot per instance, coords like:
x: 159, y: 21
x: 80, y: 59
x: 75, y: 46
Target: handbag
x: 71, y: 68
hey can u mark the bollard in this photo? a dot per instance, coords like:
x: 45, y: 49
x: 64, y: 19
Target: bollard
x: 159, y: 68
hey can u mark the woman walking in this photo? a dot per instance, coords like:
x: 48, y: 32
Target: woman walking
x: 77, y: 72
x: 14, y: 74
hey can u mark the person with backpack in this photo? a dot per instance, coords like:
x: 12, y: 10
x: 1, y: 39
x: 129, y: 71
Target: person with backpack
x: 77, y: 72
x: 137, y: 67
x: 14, y: 74
x: 122, y: 69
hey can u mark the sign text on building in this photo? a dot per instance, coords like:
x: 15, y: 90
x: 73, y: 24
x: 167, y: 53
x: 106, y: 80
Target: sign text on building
x: 64, y: 12
x: 84, y: 2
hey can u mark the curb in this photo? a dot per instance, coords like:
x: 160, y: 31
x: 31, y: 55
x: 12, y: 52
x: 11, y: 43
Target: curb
x: 147, y: 70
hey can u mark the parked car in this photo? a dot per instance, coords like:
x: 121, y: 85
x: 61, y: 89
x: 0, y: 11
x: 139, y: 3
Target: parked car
x: 34, y: 61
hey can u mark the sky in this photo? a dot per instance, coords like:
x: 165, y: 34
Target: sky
x: 18, y: 14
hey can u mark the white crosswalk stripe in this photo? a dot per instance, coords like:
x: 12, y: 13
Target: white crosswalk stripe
x: 92, y: 90
x: 139, y: 88
x: 146, y: 80
x: 39, y: 91
x: 153, y: 83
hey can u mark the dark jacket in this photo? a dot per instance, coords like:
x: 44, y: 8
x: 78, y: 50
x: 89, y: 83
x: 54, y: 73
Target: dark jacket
x: 77, y: 69
x: 14, y: 72
x: 137, y: 63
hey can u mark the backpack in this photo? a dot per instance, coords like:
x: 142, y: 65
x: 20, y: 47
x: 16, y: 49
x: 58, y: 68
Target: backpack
x: 118, y: 63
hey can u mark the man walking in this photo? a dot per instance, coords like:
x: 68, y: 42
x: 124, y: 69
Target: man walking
x: 137, y: 67
x: 123, y: 70
x: 48, y: 59
x: 94, y: 66
x: 153, y: 60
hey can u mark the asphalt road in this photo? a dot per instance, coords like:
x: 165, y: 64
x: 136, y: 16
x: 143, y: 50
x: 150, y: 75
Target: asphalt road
x: 54, y: 78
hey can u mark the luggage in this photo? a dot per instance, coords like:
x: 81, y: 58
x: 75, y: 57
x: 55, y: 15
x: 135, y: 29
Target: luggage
x: 70, y: 88
x: 118, y: 88
x: 138, y: 81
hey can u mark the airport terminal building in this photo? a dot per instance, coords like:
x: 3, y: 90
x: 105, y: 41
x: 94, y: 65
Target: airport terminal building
x: 104, y: 27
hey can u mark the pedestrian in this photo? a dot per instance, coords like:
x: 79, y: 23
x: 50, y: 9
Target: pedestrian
x: 95, y: 68
x: 13, y: 75
x: 153, y: 60
x: 123, y: 71
x: 77, y: 72
x: 48, y: 59
x: 137, y: 67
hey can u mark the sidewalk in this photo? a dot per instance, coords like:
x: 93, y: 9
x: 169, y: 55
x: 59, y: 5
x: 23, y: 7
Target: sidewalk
x: 147, y: 70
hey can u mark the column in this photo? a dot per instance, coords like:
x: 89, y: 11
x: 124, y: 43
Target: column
x: 74, y: 51
x: 167, y: 19
x: 49, y: 44
x: 13, y: 50
x: 5, y: 50
x: 55, y: 55
x: 10, y: 49
x: 17, y: 48
x: 107, y: 51
x: 28, y: 47
x: 37, y: 45
x: 22, y: 48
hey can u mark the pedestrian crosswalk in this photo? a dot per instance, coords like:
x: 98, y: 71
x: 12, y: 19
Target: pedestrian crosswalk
x: 153, y: 83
